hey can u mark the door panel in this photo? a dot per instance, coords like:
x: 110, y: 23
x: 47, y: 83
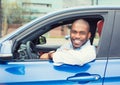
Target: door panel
x: 44, y: 72
x: 113, y: 72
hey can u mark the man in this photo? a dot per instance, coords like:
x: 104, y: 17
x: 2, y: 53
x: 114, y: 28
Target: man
x: 79, y: 51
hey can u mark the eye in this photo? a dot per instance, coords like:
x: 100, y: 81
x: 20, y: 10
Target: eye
x: 73, y: 31
x: 83, y: 33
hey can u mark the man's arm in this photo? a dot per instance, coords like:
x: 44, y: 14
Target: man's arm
x: 75, y: 57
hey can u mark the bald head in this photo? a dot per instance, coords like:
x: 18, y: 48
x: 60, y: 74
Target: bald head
x: 83, y: 22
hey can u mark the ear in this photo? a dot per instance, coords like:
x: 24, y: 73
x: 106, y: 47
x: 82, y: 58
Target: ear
x: 89, y: 35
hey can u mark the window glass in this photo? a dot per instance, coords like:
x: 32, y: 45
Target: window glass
x: 58, y: 35
x: 61, y: 34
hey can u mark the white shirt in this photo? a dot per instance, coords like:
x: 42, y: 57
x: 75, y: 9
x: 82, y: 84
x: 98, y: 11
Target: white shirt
x: 80, y: 56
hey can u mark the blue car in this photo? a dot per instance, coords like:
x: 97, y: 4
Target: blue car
x: 20, y: 50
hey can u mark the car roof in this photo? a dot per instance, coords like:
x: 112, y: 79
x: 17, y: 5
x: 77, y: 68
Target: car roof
x: 86, y: 8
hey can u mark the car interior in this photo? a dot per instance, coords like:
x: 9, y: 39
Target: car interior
x: 34, y: 47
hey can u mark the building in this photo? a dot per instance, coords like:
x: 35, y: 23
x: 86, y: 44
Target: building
x: 23, y: 11
x: 36, y: 8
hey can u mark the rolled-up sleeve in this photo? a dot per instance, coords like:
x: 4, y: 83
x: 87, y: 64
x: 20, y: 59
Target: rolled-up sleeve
x: 75, y: 57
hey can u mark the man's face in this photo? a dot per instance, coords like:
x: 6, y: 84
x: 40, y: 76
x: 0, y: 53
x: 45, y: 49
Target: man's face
x: 79, y: 34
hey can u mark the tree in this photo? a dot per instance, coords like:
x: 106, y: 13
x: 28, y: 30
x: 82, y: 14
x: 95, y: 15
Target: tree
x: 15, y: 15
x: 12, y: 14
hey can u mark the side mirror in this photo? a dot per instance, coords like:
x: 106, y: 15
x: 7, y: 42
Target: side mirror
x: 4, y: 58
x: 42, y: 40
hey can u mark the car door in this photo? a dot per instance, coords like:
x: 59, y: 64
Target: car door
x: 44, y: 72
x: 33, y: 71
x: 112, y: 76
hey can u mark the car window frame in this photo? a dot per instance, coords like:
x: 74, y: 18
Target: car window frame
x: 44, y: 28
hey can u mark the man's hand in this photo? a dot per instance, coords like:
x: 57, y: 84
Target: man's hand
x: 47, y: 56
x: 44, y: 56
x: 50, y: 54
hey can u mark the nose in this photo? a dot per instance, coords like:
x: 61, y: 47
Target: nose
x: 77, y: 35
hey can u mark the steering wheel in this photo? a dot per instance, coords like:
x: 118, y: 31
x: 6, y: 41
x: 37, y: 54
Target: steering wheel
x: 31, y: 51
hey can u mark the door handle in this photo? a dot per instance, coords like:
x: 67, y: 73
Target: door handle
x: 84, y: 77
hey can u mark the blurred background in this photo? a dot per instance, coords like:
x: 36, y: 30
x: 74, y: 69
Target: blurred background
x: 15, y: 13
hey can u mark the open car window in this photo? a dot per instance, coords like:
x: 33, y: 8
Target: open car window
x: 57, y: 34
x: 61, y: 34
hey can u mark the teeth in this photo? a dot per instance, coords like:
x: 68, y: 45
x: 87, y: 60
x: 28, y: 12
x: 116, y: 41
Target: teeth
x: 77, y: 41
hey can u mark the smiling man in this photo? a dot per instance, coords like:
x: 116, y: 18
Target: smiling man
x: 79, y: 51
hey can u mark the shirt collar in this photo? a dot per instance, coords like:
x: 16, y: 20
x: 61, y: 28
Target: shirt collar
x: 86, y: 44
